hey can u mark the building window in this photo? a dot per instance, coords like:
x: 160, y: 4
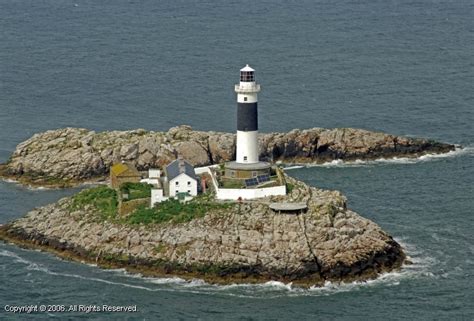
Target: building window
x: 177, y: 183
x: 177, y: 192
x: 245, y: 98
x: 245, y: 158
x: 232, y: 173
x: 189, y: 191
x: 254, y: 174
x: 189, y: 183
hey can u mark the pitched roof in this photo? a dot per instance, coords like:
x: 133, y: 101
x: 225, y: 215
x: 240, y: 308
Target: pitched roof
x: 178, y: 167
x: 121, y: 168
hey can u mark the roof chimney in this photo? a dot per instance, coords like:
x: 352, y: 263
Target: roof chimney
x: 181, y: 163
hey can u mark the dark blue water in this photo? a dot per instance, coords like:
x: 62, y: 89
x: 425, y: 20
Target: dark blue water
x: 404, y: 67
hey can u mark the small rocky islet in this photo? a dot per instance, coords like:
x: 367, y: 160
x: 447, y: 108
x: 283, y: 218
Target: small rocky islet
x: 68, y: 156
x: 220, y: 242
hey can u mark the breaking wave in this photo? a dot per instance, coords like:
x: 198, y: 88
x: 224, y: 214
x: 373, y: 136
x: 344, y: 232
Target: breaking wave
x: 47, y: 188
x: 384, y: 161
x: 420, y: 267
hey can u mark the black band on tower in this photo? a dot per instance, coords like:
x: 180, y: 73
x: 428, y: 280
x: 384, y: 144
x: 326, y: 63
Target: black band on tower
x: 247, y: 118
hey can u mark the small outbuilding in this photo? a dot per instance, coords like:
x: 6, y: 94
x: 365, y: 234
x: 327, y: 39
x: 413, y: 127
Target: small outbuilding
x: 123, y: 173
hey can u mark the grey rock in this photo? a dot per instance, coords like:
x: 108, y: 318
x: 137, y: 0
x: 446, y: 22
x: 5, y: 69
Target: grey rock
x: 75, y: 154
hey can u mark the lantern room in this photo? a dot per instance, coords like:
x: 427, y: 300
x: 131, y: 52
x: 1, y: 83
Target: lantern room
x: 247, y: 74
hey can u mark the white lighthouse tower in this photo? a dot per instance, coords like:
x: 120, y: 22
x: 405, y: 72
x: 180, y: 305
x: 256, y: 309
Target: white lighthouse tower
x: 247, y: 164
x: 247, y: 117
x: 248, y: 177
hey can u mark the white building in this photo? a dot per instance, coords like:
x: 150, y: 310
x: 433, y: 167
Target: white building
x: 179, y: 181
x: 181, y: 178
x: 247, y: 167
x: 157, y: 196
x: 157, y: 192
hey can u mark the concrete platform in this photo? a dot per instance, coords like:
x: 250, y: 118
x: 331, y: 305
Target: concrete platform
x: 236, y: 170
x: 248, y: 167
x: 288, y: 207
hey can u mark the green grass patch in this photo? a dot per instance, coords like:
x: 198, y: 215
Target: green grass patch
x: 102, y: 197
x: 231, y: 183
x: 135, y: 190
x: 174, y: 211
x: 289, y: 188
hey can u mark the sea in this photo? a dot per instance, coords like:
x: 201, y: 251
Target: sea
x: 404, y: 67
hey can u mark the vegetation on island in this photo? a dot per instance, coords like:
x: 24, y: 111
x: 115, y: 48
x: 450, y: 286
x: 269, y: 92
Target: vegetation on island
x: 135, y: 191
x: 174, y: 211
x: 105, y: 200
x: 289, y: 187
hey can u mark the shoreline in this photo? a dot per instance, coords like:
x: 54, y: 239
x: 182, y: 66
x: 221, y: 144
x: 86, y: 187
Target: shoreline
x: 241, y: 243
x: 149, y: 269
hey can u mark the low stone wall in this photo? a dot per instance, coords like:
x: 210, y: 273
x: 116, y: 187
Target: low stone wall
x: 236, y: 193
x: 250, y: 193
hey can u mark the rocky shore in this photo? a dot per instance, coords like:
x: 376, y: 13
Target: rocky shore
x: 68, y: 156
x: 243, y: 242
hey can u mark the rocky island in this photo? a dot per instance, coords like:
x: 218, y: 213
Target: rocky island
x: 217, y: 240
x: 220, y: 242
x: 65, y: 157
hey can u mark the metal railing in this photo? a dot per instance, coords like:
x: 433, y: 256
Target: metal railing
x: 242, y: 89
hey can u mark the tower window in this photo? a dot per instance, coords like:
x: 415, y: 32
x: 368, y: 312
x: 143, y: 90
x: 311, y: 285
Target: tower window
x: 245, y: 98
x: 245, y: 158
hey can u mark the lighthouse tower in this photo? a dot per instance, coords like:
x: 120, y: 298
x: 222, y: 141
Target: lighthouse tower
x: 247, y: 165
x: 247, y: 117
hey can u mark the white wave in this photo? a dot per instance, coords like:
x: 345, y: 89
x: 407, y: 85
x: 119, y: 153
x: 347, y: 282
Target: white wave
x: 48, y: 188
x: 173, y: 280
x: 14, y: 256
x: 195, y: 283
x: 270, y: 285
x: 29, y: 187
x: 394, y: 160
x: 420, y: 267
x: 292, y: 167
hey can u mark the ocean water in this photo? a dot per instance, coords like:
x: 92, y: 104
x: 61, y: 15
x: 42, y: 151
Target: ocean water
x: 399, y: 66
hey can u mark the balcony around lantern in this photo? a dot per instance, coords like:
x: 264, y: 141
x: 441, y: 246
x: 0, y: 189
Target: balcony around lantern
x: 243, y: 88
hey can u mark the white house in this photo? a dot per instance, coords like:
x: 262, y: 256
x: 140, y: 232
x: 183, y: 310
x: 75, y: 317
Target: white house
x: 181, y: 178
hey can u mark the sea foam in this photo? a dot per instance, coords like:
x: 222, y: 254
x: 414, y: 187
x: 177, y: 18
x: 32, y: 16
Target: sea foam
x: 387, y: 161
x: 421, y: 267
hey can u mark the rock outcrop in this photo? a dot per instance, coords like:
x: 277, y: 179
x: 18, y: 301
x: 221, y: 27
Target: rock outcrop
x: 69, y: 155
x: 247, y: 242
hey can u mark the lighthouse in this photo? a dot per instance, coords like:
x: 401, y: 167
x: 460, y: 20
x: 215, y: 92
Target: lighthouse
x: 247, y: 117
x: 247, y: 163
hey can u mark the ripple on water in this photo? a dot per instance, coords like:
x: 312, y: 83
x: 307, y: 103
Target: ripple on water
x: 420, y: 268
